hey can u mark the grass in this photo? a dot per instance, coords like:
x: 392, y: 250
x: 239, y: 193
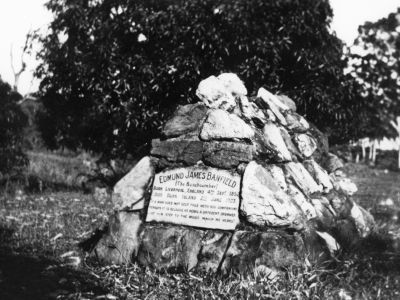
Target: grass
x: 40, y: 259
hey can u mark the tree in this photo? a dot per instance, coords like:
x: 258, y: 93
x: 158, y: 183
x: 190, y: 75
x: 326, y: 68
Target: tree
x: 376, y: 66
x: 113, y: 70
x: 12, y: 122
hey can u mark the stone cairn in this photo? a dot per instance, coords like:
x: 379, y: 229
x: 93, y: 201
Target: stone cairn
x: 235, y: 184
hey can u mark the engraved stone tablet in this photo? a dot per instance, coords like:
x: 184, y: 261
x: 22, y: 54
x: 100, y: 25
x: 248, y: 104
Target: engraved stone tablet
x: 196, y: 196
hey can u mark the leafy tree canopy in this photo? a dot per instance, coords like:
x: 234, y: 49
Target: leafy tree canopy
x: 376, y: 65
x: 112, y: 70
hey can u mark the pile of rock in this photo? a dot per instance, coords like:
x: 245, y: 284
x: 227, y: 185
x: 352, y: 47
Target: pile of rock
x: 288, y: 196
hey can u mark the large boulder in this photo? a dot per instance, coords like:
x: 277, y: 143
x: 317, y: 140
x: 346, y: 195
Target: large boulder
x: 300, y: 176
x: 227, y: 155
x: 169, y: 248
x: 120, y: 243
x: 214, y: 94
x: 264, y: 203
x: 221, y: 125
x: 129, y: 193
x: 275, y: 250
x: 186, y: 119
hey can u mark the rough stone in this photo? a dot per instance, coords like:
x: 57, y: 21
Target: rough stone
x: 121, y: 241
x: 170, y: 248
x: 296, y: 123
x: 319, y: 174
x: 279, y: 176
x: 275, y: 250
x: 322, y: 144
x: 129, y: 192
x: 325, y: 213
x: 363, y: 220
x: 233, y: 84
x: 305, y: 143
x: 331, y: 243
x: 227, y: 155
x: 274, y: 141
x: 187, y: 118
x: 302, y: 178
x: 213, y: 247
x: 221, y: 125
x: 264, y: 203
x: 214, y: 94
x: 298, y: 197
x: 340, y: 203
x: 331, y: 163
x: 251, y: 112
x: 287, y: 101
x: 344, y: 185
x: 176, y: 150
x: 264, y: 101
x: 296, y: 155
x: 270, y: 98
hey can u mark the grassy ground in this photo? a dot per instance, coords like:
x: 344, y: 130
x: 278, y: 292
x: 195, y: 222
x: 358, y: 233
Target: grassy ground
x: 39, y: 257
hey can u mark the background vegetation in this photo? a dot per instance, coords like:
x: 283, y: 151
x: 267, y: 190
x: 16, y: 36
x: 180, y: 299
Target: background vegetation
x: 113, y: 70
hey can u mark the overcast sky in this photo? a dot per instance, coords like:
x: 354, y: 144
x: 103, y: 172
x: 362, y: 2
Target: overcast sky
x: 17, y: 17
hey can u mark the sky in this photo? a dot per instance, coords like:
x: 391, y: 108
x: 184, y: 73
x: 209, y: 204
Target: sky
x: 18, y: 17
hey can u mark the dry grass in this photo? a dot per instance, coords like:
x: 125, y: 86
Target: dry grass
x: 39, y: 259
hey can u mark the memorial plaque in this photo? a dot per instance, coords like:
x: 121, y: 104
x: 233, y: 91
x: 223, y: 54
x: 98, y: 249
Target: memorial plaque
x: 196, y: 196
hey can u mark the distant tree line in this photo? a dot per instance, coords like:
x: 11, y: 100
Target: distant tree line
x: 113, y: 70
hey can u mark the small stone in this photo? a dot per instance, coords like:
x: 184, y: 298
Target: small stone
x: 264, y: 203
x: 121, y: 241
x: 169, y: 248
x: 129, y: 192
x: 319, y: 174
x: 213, y: 247
x: 331, y: 243
x: 251, y: 112
x: 273, y: 140
x: 322, y: 144
x: 221, y: 125
x: 186, y: 119
x: 305, y: 143
x: 325, y: 213
x: 233, y: 84
x: 274, y: 249
x: 287, y: 101
x: 302, y: 178
x: 296, y: 123
x: 268, y: 101
x: 227, y: 155
x: 178, y: 150
x: 271, y: 98
x: 214, y: 94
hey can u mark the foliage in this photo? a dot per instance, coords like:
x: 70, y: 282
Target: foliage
x: 112, y: 70
x: 376, y: 65
x: 12, y: 122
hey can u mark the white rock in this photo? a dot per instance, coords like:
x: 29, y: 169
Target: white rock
x: 233, y: 83
x: 274, y: 140
x: 221, y: 125
x: 344, y: 184
x: 362, y: 219
x: 302, y: 178
x: 128, y: 193
x: 274, y: 104
x: 214, y: 94
x: 278, y: 174
x: 298, y: 197
x: 331, y: 243
x: 264, y: 203
x: 319, y: 174
x: 306, y: 144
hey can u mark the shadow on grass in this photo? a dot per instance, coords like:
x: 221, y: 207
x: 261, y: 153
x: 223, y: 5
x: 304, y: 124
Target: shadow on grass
x: 24, y: 275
